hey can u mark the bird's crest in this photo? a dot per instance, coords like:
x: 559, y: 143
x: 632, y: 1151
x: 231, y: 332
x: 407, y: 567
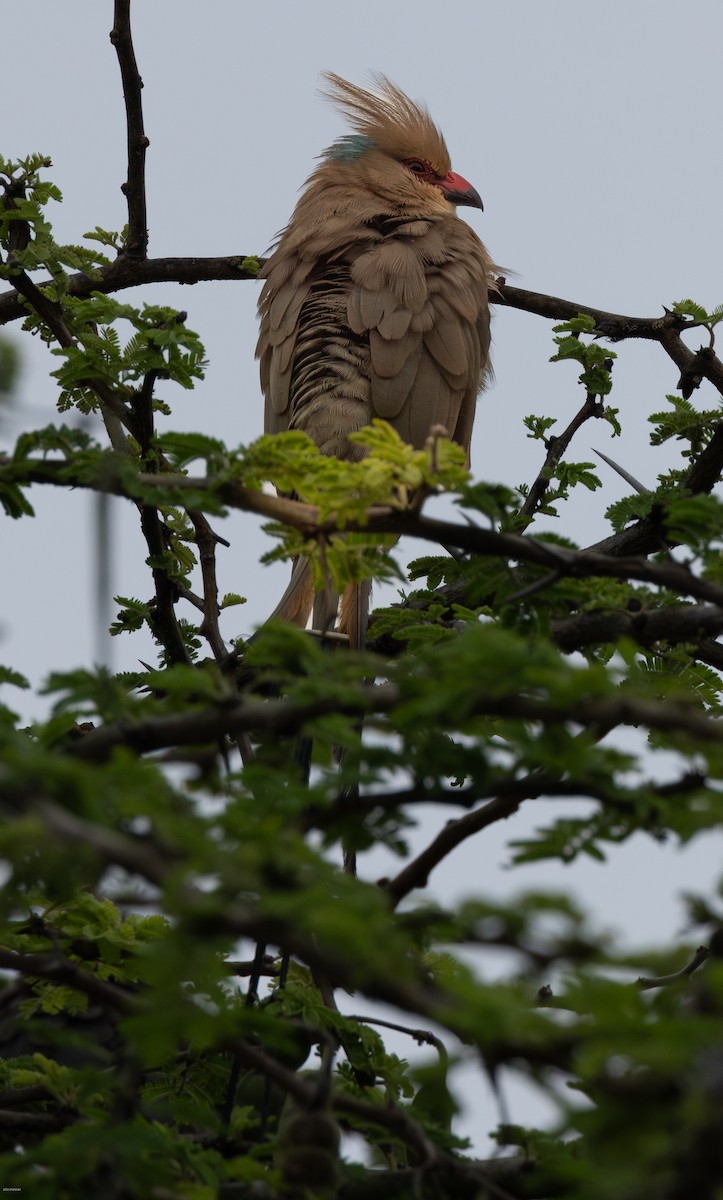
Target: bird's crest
x: 386, y: 119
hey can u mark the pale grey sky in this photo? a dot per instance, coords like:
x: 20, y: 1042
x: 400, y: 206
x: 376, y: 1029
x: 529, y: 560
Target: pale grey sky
x: 593, y: 135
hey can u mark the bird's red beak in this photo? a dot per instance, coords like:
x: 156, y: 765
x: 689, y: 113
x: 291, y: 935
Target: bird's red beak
x: 458, y: 191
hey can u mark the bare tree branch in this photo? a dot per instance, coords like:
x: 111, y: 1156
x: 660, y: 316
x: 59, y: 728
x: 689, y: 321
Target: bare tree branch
x: 135, y: 186
x: 127, y: 272
x: 615, y: 326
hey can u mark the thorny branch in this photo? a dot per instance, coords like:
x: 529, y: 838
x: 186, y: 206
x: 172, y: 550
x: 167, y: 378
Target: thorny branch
x: 164, y: 618
x: 694, y: 366
x: 207, y: 540
x: 127, y: 273
x: 305, y: 517
x: 678, y: 623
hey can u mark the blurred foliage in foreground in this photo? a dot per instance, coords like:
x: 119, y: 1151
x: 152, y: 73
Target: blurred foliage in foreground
x: 176, y: 927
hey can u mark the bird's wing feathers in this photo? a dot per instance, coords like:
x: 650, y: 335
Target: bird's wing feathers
x: 393, y: 322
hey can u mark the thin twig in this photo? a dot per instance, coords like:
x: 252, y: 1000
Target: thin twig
x: 207, y: 540
x: 422, y: 1036
x: 556, y: 447
x: 700, y: 956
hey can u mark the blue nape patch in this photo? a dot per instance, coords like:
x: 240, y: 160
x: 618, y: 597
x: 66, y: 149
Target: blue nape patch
x: 349, y: 148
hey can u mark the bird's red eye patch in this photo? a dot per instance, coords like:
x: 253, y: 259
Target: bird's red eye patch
x: 421, y: 168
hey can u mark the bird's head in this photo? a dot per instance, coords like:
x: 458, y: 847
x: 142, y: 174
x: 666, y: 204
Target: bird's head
x: 396, y: 147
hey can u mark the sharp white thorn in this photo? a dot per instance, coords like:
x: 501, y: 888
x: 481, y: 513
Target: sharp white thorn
x: 634, y: 483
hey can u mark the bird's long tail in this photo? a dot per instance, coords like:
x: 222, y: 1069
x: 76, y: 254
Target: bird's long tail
x: 297, y: 601
x: 300, y: 600
x: 354, y: 613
